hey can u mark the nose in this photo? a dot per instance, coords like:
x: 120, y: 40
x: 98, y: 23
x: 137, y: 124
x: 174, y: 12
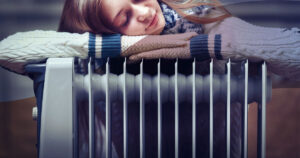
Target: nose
x: 143, y: 13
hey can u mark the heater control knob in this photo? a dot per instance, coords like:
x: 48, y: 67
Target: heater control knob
x: 34, y: 113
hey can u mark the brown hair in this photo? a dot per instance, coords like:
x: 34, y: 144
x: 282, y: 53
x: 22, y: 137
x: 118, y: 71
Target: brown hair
x: 85, y: 15
x: 218, y: 13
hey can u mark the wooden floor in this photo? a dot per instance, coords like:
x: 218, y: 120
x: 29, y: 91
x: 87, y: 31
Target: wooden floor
x: 18, y: 130
x: 283, y: 125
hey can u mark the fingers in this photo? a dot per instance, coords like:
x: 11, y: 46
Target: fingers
x: 154, y: 42
x: 150, y: 43
x: 180, y: 37
x: 166, y: 53
x: 189, y: 35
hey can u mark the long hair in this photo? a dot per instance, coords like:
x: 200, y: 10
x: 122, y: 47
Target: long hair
x: 85, y: 15
x: 80, y: 16
x: 186, y: 8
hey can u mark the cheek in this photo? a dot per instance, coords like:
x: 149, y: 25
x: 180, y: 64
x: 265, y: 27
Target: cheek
x: 162, y: 21
x: 134, y: 28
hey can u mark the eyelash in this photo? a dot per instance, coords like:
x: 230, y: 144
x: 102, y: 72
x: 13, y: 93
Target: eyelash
x: 138, y: 1
x: 127, y: 19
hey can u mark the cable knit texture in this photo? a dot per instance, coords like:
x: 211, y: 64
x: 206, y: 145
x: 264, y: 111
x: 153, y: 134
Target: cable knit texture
x: 22, y: 48
x: 34, y: 46
x: 279, y: 47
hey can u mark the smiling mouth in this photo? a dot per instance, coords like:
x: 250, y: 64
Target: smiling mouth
x: 154, y: 21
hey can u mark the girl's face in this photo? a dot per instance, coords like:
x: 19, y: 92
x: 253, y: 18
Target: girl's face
x: 133, y: 17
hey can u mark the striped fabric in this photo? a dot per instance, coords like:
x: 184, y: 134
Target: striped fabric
x: 111, y: 45
x: 203, y: 49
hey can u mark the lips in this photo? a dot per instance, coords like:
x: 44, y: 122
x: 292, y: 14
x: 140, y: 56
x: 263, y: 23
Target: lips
x: 154, y: 21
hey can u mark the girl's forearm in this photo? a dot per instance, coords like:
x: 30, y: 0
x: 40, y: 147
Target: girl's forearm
x: 28, y: 47
x: 34, y: 46
x: 236, y: 39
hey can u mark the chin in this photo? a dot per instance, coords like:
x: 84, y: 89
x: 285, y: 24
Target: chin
x: 160, y: 27
x: 157, y: 32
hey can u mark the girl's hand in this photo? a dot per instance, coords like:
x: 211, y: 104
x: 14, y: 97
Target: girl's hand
x: 159, y: 46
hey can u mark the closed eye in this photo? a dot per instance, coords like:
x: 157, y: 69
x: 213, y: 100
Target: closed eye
x: 127, y: 17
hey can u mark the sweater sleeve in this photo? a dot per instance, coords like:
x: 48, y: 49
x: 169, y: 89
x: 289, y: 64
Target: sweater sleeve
x: 28, y: 47
x: 34, y: 46
x: 236, y: 39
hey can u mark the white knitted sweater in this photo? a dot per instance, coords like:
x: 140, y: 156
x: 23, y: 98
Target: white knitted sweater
x: 279, y: 47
